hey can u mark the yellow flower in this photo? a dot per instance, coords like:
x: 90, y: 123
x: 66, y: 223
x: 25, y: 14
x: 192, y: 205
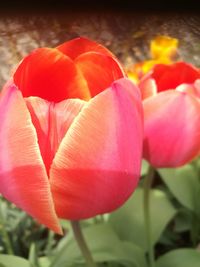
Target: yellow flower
x: 163, y: 50
x: 163, y: 47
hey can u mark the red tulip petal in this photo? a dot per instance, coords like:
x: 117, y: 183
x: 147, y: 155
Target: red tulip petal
x: 51, y: 122
x: 23, y: 179
x: 172, y: 128
x: 49, y: 74
x: 97, y: 165
x: 170, y: 76
x: 99, y: 71
x: 80, y: 45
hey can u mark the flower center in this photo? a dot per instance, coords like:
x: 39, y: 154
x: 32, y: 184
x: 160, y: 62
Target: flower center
x: 51, y: 122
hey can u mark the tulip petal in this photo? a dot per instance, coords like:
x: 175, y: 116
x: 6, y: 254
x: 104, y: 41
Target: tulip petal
x: 148, y: 87
x: 197, y: 87
x: 23, y: 178
x: 80, y: 45
x: 49, y: 74
x: 51, y: 122
x: 99, y: 71
x: 189, y: 89
x: 97, y: 165
x: 172, y: 128
x: 170, y: 76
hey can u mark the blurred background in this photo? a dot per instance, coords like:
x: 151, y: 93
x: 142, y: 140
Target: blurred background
x: 127, y: 32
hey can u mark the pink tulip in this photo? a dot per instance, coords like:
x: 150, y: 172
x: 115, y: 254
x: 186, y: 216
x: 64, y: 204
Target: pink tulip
x: 171, y: 114
x: 70, y: 134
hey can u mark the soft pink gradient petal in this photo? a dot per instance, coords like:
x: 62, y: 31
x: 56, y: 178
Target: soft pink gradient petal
x: 51, y: 121
x: 148, y: 87
x: 80, y: 45
x: 171, y: 128
x: 97, y: 165
x: 197, y: 87
x: 23, y: 178
x: 98, y: 70
x: 188, y: 88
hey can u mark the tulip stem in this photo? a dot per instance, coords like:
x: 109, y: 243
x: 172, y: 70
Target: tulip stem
x: 7, y: 241
x: 82, y: 244
x: 148, y: 180
x: 4, y: 232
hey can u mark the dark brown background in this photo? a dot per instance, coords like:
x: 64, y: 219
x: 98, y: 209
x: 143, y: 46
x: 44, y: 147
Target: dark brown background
x: 126, y: 32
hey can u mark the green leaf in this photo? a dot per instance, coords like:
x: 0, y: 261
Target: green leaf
x: 180, y: 258
x: 104, y: 245
x: 33, y: 258
x: 44, y: 261
x: 3, y: 211
x: 13, y: 261
x: 183, y: 221
x: 128, y: 221
x: 184, y: 184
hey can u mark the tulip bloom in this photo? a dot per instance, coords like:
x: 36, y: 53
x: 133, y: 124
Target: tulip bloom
x: 171, y: 114
x: 70, y: 133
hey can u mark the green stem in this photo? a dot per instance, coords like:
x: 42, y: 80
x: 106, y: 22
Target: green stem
x: 4, y: 232
x: 49, y: 242
x: 6, y: 239
x: 82, y: 244
x: 148, y: 180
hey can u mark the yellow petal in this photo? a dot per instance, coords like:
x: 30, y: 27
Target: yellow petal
x: 163, y: 47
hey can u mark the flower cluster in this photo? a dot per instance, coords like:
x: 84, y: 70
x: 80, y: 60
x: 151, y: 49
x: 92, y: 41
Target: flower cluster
x: 171, y: 114
x: 74, y: 129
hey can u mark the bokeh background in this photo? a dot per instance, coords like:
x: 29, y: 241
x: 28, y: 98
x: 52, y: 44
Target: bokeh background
x: 127, y: 33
